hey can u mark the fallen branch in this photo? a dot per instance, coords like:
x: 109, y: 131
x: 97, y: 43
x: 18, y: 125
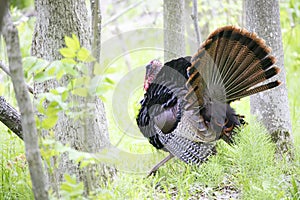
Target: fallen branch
x: 10, y: 117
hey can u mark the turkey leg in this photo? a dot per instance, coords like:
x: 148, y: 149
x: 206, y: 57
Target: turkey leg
x: 158, y: 165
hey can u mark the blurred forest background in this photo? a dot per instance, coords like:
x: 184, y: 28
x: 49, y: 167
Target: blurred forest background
x: 132, y: 35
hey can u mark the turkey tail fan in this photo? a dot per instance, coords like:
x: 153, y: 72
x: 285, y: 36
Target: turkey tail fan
x: 230, y: 64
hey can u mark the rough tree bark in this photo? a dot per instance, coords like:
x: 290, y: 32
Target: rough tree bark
x: 174, y: 40
x: 32, y: 151
x: 271, y: 107
x: 55, y: 20
x: 96, y: 28
x: 3, y: 4
x: 196, y: 24
x: 10, y: 117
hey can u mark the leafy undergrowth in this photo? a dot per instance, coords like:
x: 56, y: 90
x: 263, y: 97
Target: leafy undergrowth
x: 15, y: 181
x: 246, y: 170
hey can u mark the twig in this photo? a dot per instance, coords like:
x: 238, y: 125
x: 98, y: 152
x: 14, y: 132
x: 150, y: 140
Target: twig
x: 194, y: 17
x: 115, y: 17
x: 6, y: 70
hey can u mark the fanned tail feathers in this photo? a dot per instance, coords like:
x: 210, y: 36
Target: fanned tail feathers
x: 230, y: 64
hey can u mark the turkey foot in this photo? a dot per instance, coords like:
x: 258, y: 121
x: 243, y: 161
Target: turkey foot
x: 158, y: 165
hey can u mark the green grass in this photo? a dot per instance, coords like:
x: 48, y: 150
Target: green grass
x: 15, y: 180
x: 246, y: 170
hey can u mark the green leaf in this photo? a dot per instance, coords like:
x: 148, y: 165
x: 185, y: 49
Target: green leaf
x: 82, y: 81
x: 84, y: 163
x: 68, y: 61
x: 40, y: 106
x: 67, y: 52
x: 54, y: 67
x: 108, y: 80
x: 76, y: 155
x: 71, y: 43
x: 84, y: 55
x: 69, y: 179
x: 70, y: 69
x: 82, y: 68
x: 76, y: 41
x: 42, y: 76
x: 29, y: 62
x: 112, y: 70
x: 65, y: 95
x: 51, y: 71
x: 38, y: 66
x: 55, y: 99
x: 94, y: 83
x: 83, y: 92
x: 51, y: 115
x: 37, y: 121
x: 60, y: 74
x: 98, y: 69
x: 70, y: 189
x: 49, y: 122
x: 58, y: 90
x: 102, y: 88
x: 48, y: 141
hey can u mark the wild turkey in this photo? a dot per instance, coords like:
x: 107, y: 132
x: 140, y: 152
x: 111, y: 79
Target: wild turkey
x: 186, y: 102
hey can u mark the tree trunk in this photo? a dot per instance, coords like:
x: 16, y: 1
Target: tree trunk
x: 32, y: 150
x: 271, y: 107
x: 3, y: 4
x: 55, y: 20
x: 96, y: 28
x: 174, y: 40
